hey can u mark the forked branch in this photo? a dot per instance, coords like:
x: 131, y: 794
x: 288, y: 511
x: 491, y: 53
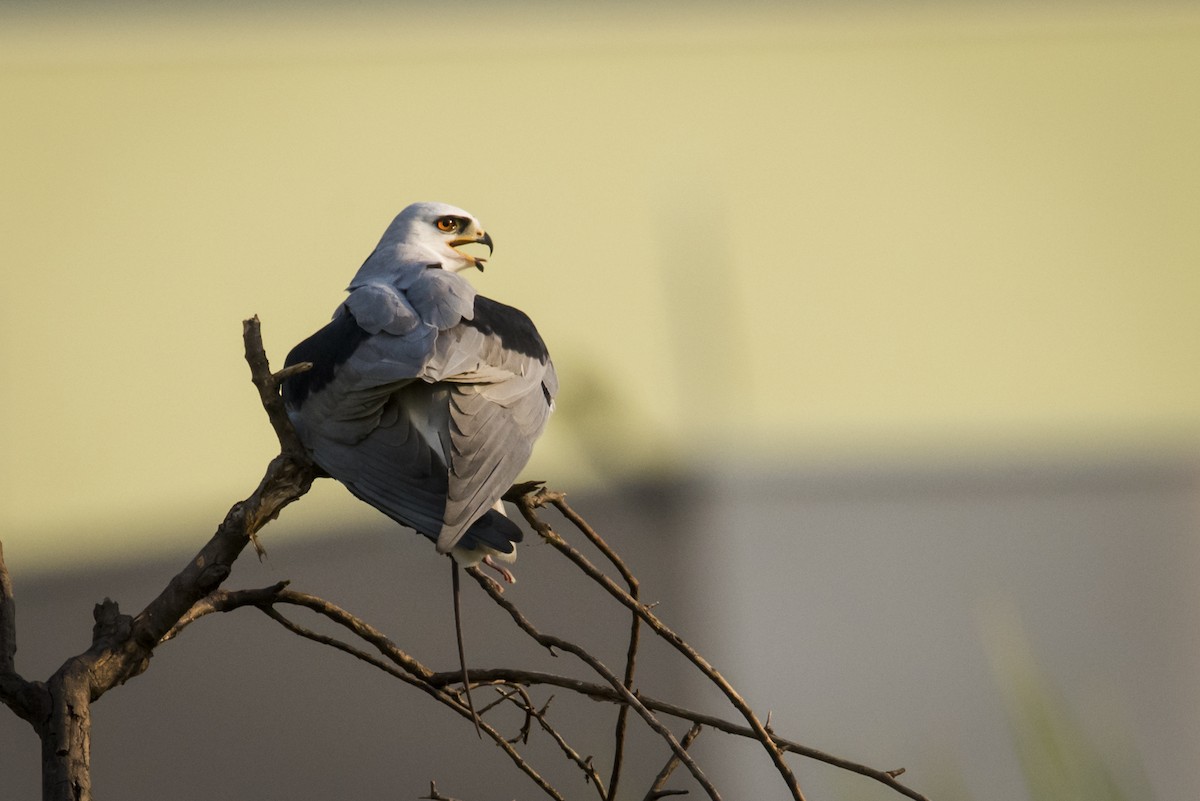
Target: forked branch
x: 59, y: 708
x: 122, y: 645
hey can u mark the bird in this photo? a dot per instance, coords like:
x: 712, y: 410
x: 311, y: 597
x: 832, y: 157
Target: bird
x: 425, y: 398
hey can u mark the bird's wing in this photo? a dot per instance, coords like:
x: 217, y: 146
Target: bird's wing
x: 358, y: 410
x: 441, y: 298
x: 501, y: 385
x: 430, y: 427
x: 393, y: 467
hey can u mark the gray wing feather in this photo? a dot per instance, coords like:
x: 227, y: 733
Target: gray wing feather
x: 352, y: 407
x: 429, y: 419
x: 415, y: 495
x: 379, y: 307
x: 385, y: 359
x: 498, y: 407
x: 441, y: 298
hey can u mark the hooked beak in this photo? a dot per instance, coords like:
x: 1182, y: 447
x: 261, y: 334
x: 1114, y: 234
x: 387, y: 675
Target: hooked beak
x: 486, y: 239
x: 482, y: 239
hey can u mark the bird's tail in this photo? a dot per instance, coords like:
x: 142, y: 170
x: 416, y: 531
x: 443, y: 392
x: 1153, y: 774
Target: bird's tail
x: 462, y: 653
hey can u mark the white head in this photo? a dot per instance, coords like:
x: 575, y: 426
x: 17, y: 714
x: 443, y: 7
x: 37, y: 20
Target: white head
x: 422, y: 236
x: 431, y: 233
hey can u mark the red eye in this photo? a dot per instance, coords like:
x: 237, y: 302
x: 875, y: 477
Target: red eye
x: 447, y: 224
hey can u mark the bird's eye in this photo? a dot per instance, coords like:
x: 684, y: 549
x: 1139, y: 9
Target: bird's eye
x: 447, y: 224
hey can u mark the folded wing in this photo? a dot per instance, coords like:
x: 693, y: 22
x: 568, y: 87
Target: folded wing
x: 428, y: 423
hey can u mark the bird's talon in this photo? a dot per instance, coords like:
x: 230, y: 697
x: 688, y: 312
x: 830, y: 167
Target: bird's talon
x: 504, y: 572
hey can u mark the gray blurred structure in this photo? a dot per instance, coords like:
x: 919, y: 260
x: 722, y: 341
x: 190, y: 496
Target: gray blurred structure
x: 852, y: 604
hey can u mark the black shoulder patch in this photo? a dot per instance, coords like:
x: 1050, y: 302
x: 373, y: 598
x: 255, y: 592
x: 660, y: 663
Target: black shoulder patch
x: 326, y: 349
x: 513, y: 326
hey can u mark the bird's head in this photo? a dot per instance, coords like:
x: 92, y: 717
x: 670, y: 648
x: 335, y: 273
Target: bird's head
x: 436, y: 231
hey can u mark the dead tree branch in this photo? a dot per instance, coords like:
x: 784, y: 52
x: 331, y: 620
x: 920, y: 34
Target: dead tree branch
x: 395, y: 662
x: 552, y: 642
x: 635, y: 628
x: 411, y: 671
x: 525, y: 704
x: 59, y: 709
x: 530, y: 502
x: 660, y: 781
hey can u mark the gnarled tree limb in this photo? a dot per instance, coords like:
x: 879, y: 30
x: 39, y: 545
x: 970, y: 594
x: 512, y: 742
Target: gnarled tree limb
x: 122, y: 646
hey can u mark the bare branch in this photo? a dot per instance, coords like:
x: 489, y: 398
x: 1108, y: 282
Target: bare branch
x: 418, y: 675
x: 287, y: 372
x: 357, y: 653
x: 656, y: 789
x: 288, y: 477
x: 635, y: 628
x: 225, y: 601
x: 595, y: 664
x: 458, y: 638
x: 122, y: 645
x: 360, y: 629
x: 528, y: 506
x: 434, y: 795
x: 605, y: 693
x: 453, y: 702
x: 583, y: 763
x: 409, y: 671
x: 517, y: 677
x: 268, y: 384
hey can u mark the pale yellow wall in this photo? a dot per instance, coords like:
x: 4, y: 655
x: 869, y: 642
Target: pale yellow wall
x: 754, y: 233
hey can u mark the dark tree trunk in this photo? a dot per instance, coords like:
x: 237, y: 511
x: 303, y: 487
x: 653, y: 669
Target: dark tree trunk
x: 67, y: 738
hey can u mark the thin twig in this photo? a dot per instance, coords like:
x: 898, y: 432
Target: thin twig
x: 635, y: 628
x: 268, y: 385
x: 503, y: 692
x: 458, y: 637
x: 280, y: 376
x: 517, y: 679
x: 660, y: 781
x: 265, y: 598
x: 583, y: 763
x: 324, y: 639
x: 226, y: 600
x: 595, y: 664
x: 528, y: 506
x: 602, y: 692
x: 434, y: 795
x: 405, y: 668
x: 506, y: 692
x: 437, y: 694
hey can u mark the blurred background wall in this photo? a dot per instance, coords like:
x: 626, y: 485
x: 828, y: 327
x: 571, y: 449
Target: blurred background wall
x: 893, y: 307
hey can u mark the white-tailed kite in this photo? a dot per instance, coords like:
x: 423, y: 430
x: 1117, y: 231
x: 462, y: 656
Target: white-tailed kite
x: 425, y: 398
